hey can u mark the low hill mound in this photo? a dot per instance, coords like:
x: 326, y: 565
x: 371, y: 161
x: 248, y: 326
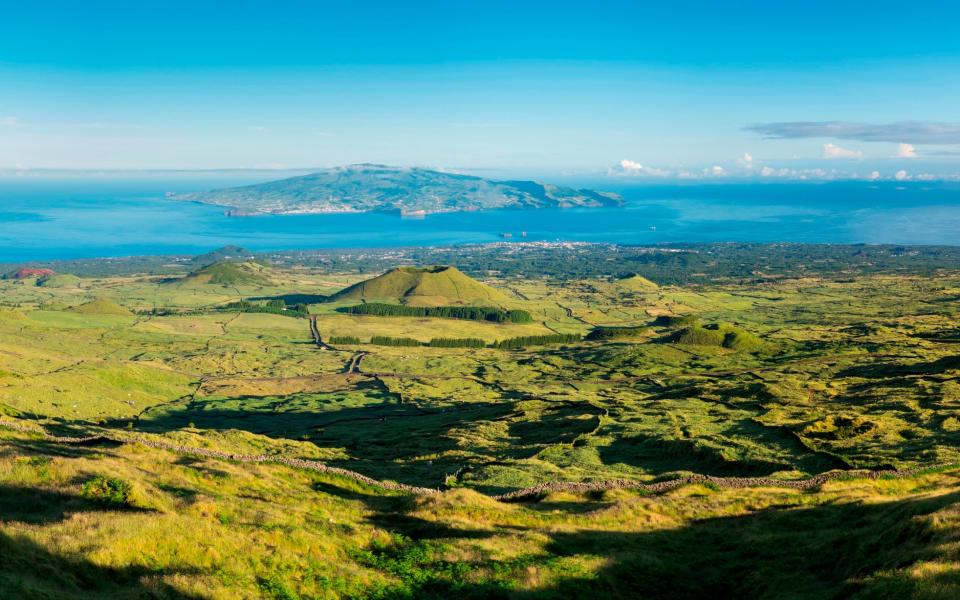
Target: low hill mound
x: 426, y: 286
x: 637, y: 283
x: 230, y: 273
x: 59, y: 280
x: 27, y: 273
x: 101, y: 306
x: 723, y: 335
x: 229, y: 253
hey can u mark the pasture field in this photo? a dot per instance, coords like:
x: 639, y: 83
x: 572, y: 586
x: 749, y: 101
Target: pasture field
x: 775, y: 380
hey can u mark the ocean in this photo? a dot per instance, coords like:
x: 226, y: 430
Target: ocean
x: 60, y: 218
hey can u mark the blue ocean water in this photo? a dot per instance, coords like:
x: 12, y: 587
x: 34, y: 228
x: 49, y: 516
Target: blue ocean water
x: 60, y: 218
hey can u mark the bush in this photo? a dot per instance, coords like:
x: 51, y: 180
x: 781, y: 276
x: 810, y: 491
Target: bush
x: 344, y: 339
x: 107, y: 490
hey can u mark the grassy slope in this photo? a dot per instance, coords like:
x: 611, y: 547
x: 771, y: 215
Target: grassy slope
x: 207, y: 528
x: 860, y: 373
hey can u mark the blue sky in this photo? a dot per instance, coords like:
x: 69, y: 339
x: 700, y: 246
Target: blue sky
x: 666, y: 89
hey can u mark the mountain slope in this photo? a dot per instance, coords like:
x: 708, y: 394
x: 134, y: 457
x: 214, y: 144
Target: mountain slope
x: 364, y: 188
x: 428, y: 286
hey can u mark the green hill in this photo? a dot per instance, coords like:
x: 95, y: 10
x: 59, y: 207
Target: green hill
x: 101, y: 306
x: 427, y: 286
x: 59, y: 280
x: 637, y: 283
x: 230, y: 273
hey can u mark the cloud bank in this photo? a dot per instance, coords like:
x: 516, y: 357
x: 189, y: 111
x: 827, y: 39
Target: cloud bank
x: 904, y: 132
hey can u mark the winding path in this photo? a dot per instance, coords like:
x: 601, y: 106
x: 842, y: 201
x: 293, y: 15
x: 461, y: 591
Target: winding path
x: 315, y: 332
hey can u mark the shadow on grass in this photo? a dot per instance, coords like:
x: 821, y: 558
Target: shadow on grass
x: 826, y: 551
x: 40, y: 506
x: 829, y: 551
x: 885, y: 370
x: 384, y: 440
x: 50, y: 448
x: 392, y: 513
x: 28, y: 570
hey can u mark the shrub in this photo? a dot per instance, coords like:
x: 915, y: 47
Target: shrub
x: 344, y: 339
x: 107, y: 490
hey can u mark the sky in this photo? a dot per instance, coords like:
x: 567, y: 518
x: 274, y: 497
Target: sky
x: 656, y: 90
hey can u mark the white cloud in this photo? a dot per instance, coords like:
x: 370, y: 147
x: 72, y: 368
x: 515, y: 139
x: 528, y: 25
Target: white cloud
x: 767, y: 171
x: 901, y: 175
x: 9, y: 121
x: 834, y: 151
x: 874, y: 175
x: 257, y: 128
x: 716, y: 170
x: 906, y: 151
x: 632, y: 167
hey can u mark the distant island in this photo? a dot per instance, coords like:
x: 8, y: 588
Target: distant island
x: 405, y: 190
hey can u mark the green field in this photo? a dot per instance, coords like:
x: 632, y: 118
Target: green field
x: 784, y: 379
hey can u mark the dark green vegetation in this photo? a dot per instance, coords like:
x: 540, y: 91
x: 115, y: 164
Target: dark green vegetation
x: 109, y: 491
x: 385, y: 340
x: 366, y: 187
x: 781, y: 377
x: 536, y: 340
x: 275, y: 307
x: 471, y: 313
x: 457, y: 343
x: 612, y: 333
